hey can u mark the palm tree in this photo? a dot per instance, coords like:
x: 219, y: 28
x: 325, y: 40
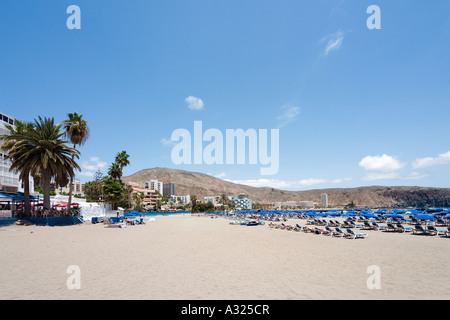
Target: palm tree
x: 193, y: 201
x: 114, y: 171
x: 13, y: 143
x: 223, y: 200
x: 46, y: 152
x: 78, y: 132
x: 122, y: 161
x: 113, y: 191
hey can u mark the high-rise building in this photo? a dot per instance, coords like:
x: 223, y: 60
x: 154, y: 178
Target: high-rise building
x: 168, y: 189
x: 324, y: 200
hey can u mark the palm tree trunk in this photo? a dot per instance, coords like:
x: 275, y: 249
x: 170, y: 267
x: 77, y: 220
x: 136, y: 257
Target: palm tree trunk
x: 46, y: 176
x: 26, y: 195
x: 70, y: 190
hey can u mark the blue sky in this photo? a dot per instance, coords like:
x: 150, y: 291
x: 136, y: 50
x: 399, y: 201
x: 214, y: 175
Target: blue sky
x: 353, y: 106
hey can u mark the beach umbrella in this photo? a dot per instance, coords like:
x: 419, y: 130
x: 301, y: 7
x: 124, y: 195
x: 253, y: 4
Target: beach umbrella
x: 393, y: 215
x: 349, y: 215
x: 369, y: 215
x: 321, y: 214
x: 425, y: 217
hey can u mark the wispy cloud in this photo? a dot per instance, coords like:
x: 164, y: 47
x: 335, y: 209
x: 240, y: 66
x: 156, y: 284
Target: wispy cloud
x: 333, y: 42
x: 393, y: 176
x: 91, y: 166
x: 443, y: 158
x: 194, y: 103
x: 220, y: 175
x: 289, y: 115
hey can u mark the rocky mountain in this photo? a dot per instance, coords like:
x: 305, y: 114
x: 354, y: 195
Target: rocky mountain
x: 202, y: 185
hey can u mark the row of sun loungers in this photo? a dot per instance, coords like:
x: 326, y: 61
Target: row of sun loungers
x: 327, y: 231
x: 389, y: 227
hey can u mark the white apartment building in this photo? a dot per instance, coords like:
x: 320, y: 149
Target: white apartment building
x: 9, y: 180
x: 209, y: 199
x: 155, y: 185
x: 182, y: 199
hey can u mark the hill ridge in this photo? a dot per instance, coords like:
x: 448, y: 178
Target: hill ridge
x: 202, y: 185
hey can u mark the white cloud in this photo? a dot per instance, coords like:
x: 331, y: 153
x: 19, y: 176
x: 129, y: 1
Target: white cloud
x: 289, y: 114
x: 443, y: 158
x: 86, y: 173
x: 386, y: 168
x: 382, y: 163
x: 287, y: 184
x: 220, y: 175
x: 91, y: 166
x: 194, y: 103
x: 334, y: 42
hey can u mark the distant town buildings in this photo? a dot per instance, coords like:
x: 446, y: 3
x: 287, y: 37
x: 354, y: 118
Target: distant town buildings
x: 77, y: 188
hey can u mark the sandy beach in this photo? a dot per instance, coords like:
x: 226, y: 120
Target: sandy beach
x: 188, y: 257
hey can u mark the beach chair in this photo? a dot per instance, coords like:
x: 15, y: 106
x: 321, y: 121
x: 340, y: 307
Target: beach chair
x: 355, y: 225
x: 298, y: 227
x: 335, y: 233
x: 367, y: 226
x: 401, y: 228
x: 327, y: 231
x: 390, y: 227
x: 431, y: 231
x: 356, y: 235
x: 308, y: 229
x: 443, y: 233
x: 347, y: 224
x: 447, y: 233
x: 376, y: 226
x: 418, y: 229
x: 317, y: 230
x: 342, y: 233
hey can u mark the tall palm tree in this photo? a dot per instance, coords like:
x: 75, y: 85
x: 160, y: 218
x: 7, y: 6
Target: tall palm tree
x: 14, y: 143
x: 77, y: 131
x: 122, y: 161
x: 193, y: 201
x: 46, y: 152
x: 114, y: 171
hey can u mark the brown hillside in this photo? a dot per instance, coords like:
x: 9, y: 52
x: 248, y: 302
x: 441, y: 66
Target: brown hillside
x: 202, y: 185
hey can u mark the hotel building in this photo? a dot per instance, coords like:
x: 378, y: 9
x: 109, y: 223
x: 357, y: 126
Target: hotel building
x: 9, y: 180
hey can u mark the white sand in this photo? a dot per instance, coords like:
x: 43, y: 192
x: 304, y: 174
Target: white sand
x: 184, y: 257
